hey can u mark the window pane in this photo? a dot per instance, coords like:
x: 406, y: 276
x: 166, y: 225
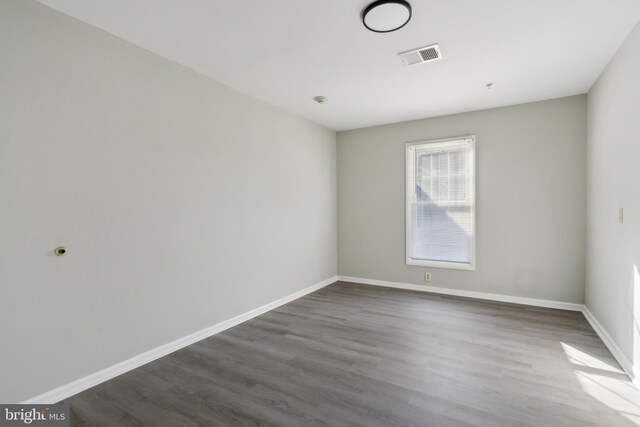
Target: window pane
x: 439, y: 182
x: 441, y: 233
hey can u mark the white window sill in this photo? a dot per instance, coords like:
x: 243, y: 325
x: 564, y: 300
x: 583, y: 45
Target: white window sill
x: 441, y: 264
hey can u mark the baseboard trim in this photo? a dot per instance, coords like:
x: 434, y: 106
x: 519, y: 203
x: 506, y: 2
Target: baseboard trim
x: 468, y: 294
x: 617, y: 353
x: 91, y: 380
x: 77, y: 386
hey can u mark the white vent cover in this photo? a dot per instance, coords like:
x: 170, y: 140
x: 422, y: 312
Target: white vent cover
x: 421, y: 55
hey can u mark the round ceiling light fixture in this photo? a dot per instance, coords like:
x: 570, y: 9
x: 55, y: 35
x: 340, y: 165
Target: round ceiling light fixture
x: 385, y: 16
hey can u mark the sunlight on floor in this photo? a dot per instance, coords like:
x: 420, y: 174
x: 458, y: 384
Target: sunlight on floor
x: 616, y: 394
x: 606, y: 383
x: 578, y: 357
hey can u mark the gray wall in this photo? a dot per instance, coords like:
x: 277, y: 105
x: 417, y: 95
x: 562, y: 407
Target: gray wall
x: 613, y: 249
x: 183, y: 202
x: 530, y: 200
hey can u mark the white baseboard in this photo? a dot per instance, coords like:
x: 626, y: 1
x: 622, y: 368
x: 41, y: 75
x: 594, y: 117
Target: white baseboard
x: 75, y: 387
x: 469, y: 294
x: 617, y: 353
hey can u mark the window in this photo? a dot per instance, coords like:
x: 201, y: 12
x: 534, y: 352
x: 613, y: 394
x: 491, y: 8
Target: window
x: 440, y: 203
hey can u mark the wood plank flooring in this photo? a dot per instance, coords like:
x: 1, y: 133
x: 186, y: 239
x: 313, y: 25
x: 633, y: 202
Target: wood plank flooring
x: 357, y: 355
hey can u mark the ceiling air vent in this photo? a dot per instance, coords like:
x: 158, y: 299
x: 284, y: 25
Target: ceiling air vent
x: 421, y: 55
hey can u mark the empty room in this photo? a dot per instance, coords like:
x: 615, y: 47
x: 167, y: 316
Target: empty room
x: 331, y: 212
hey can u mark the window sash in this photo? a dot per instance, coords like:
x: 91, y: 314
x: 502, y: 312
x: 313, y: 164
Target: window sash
x: 453, y: 201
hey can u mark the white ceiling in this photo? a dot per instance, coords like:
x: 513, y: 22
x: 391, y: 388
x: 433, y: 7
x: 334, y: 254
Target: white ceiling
x: 285, y: 52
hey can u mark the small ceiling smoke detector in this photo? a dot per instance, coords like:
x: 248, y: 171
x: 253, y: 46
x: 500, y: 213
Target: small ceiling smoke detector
x: 385, y: 16
x: 320, y: 99
x: 421, y: 55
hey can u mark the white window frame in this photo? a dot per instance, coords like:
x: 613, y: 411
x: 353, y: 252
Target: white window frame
x: 472, y: 200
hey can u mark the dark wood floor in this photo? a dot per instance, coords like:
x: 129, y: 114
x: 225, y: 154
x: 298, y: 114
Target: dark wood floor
x: 356, y: 355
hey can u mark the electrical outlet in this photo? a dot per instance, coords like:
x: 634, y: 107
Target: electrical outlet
x: 427, y: 277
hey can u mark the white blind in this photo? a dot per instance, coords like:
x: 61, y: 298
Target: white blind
x: 440, y: 201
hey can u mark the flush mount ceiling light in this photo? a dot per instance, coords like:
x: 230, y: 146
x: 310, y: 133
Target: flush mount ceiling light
x: 384, y: 16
